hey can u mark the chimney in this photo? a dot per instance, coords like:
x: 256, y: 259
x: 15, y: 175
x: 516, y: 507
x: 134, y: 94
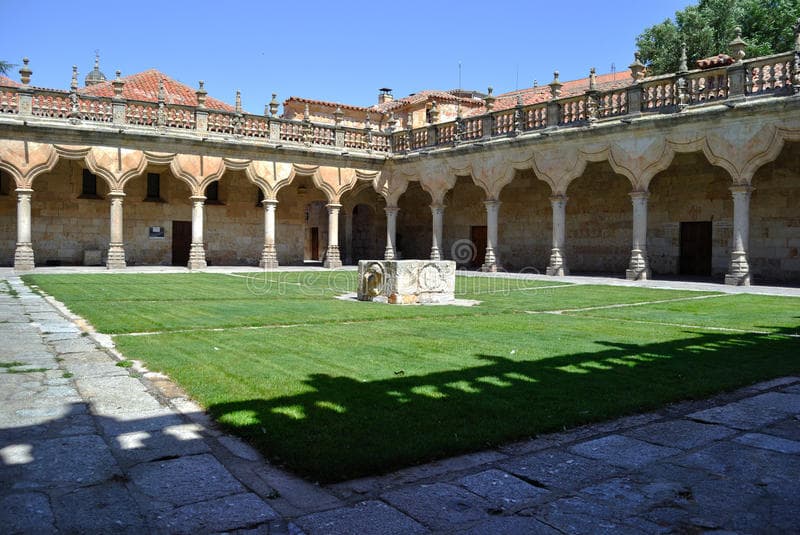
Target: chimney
x: 385, y: 95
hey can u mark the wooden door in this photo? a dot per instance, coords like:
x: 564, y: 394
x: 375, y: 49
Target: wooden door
x: 695, y: 255
x: 314, y: 243
x: 478, y: 237
x: 181, y: 242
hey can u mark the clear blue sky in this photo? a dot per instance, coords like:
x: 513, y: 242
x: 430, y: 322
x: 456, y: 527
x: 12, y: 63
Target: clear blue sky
x: 340, y: 51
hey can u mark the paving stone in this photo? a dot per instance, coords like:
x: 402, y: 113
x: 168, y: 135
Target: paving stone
x: 635, y: 493
x: 171, y: 441
x: 734, y: 460
x: 510, y: 525
x: 222, y: 514
x: 788, y: 429
x: 740, y: 415
x: 112, y: 395
x: 239, y: 448
x: 684, y: 434
x: 440, y: 505
x: 365, y: 518
x: 184, y: 480
x: 105, y: 508
x: 769, y: 442
x: 776, y: 401
x: 623, y: 451
x: 577, y: 515
x: 792, y: 390
x: 769, y: 385
x: 559, y: 469
x: 75, y: 460
x: 501, y: 489
x: 154, y: 420
x: 83, y: 370
x: 26, y: 512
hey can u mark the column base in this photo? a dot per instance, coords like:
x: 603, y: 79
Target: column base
x: 269, y: 259
x: 23, y: 257
x: 638, y: 268
x: 197, y: 257
x: 489, y: 262
x: 435, y: 254
x: 332, y: 258
x: 116, y: 257
x: 739, y: 271
x: 388, y: 254
x: 558, y: 266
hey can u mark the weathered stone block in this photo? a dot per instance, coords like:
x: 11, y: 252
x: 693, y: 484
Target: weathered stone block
x: 407, y: 281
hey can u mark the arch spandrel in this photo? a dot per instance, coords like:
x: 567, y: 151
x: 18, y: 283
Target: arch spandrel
x: 390, y: 185
x: 558, y: 167
x: 197, y: 170
x: 270, y: 176
x: 334, y: 181
x: 25, y: 160
x: 116, y: 165
x: 437, y: 178
x: 493, y: 172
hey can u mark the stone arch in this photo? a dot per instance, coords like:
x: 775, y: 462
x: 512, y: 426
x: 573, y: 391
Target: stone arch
x: 270, y: 176
x: 525, y: 229
x: 414, y: 233
x: 25, y: 160
x: 197, y: 170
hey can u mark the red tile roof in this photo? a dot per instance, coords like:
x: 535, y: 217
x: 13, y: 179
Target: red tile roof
x: 422, y: 96
x: 5, y: 81
x: 534, y: 95
x: 144, y: 86
x: 720, y: 60
x: 327, y: 104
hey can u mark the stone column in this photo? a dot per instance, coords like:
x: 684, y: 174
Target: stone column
x: 116, y: 245
x: 269, y: 257
x: 348, y: 236
x: 391, y: 232
x: 492, y: 210
x: 332, y: 258
x: 639, y: 266
x: 438, y: 217
x: 739, y: 270
x: 197, y: 254
x: 558, y: 264
x: 23, y: 253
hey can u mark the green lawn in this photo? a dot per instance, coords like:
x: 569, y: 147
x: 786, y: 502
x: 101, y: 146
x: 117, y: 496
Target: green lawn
x: 335, y: 389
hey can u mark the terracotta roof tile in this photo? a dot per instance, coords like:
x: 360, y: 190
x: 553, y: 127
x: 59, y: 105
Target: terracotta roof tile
x: 144, y: 86
x: 421, y: 96
x: 720, y: 60
x: 327, y: 103
x: 5, y: 81
x: 534, y: 95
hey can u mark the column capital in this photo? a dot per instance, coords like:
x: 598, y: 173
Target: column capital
x: 391, y: 209
x: 116, y: 194
x: 559, y: 198
x: 491, y: 203
x: 639, y: 195
x: 269, y: 202
x: 740, y: 189
x: 24, y: 191
x: 197, y: 198
x: 437, y: 208
x: 333, y: 206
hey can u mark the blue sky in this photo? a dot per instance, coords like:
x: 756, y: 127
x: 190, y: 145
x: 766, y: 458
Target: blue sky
x: 340, y: 51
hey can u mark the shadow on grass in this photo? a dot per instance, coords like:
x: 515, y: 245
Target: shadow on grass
x: 344, y: 428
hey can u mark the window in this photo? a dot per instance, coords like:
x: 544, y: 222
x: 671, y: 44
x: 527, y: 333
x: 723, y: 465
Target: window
x: 153, y: 187
x: 212, y: 193
x: 89, y: 185
x: 259, y: 197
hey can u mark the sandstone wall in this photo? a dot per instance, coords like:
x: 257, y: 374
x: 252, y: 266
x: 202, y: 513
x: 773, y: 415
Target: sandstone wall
x: 414, y: 223
x: 464, y: 209
x: 525, y: 224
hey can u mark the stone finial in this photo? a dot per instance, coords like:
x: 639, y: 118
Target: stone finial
x: 592, y: 79
x: 273, y: 105
x: 162, y: 92
x: 367, y: 121
x: 682, y: 66
x: 338, y: 115
x: 238, y: 101
x: 118, y: 84
x: 555, y: 86
x: 73, y: 86
x: 410, y: 121
x: 637, y: 67
x: 738, y: 45
x: 434, y: 113
x: 489, y: 99
x: 391, y: 123
x: 201, y: 94
x: 307, y: 112
x: 520, y: 101
x: 25, y: 72
x: 535, y: 83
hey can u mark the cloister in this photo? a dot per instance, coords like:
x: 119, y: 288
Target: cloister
x: 695, y: 173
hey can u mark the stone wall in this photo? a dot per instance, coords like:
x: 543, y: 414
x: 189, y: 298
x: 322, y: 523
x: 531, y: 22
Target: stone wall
x: 775, y: 219
x: 525, y: 224
x: 599, y: 221
x: 690, y: 189
x: 8, y: 219
x: 365, y: 208
x: 301, y: 206
x: 464, y: 209
x: 234, y: 228
x: 414, y: 221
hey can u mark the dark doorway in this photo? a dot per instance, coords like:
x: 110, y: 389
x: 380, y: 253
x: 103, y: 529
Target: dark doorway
x: 696, y: 248
x: 478, y: 237
x: 181, y: 242
x: 314, y: 243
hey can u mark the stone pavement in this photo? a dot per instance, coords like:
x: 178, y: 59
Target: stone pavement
x: 88, y: 446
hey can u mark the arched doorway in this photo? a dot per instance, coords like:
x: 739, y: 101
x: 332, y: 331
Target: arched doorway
x: 364, y: 235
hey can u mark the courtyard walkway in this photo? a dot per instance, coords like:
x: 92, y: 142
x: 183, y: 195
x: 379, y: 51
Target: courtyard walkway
x: 88, y: 446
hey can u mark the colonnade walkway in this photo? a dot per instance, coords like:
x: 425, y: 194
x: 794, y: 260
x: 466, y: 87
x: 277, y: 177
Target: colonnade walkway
x: 88, y: 446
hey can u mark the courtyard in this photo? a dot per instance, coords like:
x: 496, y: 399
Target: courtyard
x: 333, y: 389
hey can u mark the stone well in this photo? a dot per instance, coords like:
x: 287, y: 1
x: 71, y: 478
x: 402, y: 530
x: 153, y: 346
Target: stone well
x: 407, y: 281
